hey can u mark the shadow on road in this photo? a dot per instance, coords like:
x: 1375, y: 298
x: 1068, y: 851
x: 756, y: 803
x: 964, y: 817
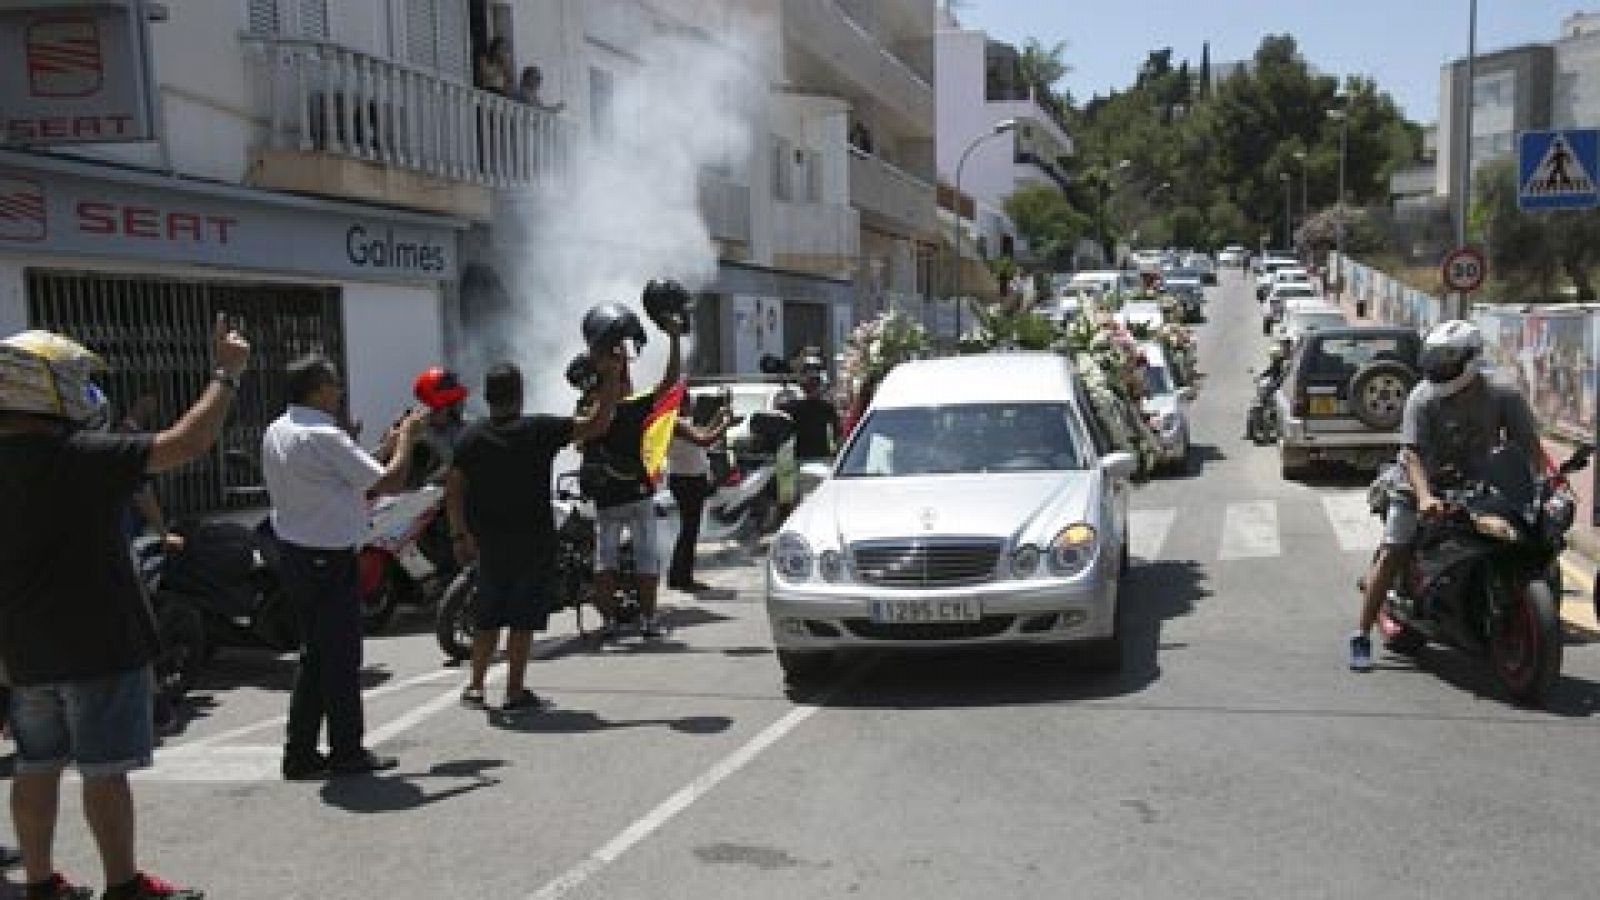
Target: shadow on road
x: 248, y: 668
x: 400, y: 792
x: 583, y: 721
x: 1572, y: 697
x: 1200, y: 456
x: 1152, y: 593
x: 1336, y: 475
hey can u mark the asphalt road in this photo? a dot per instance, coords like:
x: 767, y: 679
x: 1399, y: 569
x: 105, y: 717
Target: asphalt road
x: 1234, y: 757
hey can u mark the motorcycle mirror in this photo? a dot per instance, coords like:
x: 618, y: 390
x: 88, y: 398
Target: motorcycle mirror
x: 1579, y: 460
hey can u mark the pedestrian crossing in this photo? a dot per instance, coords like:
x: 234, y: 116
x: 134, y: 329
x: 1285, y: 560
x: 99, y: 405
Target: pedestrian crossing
x: 1257, y: 529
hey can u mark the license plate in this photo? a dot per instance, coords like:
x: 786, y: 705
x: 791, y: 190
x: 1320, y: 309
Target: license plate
x: 1325, y: 406
x: 899, y: 612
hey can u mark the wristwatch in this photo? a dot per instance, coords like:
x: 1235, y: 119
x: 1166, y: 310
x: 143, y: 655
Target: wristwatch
x: 228, y: 381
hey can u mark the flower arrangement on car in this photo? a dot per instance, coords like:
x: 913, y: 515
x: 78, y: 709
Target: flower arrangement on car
x: 1107, y: 358
x: 872, y: 349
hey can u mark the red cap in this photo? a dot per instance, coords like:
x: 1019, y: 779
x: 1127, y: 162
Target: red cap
x: 438, y: 388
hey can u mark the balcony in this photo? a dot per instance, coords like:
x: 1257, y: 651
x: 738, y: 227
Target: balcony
x: 838, y: 53
x: 820, y: 238
x: 344, y: 123
x: 892, y: 196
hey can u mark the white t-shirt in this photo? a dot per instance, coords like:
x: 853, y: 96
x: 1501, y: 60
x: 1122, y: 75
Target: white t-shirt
x: 686, y: 458
x: 318, y: 480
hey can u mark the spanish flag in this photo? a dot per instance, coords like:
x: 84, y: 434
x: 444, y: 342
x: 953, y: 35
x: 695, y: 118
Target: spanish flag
x: 658, y: 426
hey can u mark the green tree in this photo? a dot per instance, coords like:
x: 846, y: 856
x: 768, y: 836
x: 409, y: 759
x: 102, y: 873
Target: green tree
x: 1048, y: 223
x: 1529, y: 252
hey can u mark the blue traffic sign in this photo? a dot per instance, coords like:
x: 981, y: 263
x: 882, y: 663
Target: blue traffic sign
x: 1557, y: 169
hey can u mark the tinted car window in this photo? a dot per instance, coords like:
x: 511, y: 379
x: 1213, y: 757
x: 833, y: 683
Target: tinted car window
x: 961, y: 439
x: 1340, y: 357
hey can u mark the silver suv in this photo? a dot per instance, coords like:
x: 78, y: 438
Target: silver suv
x: 1344, y: 396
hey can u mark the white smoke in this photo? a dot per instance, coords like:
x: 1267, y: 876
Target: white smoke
x: 630, y: 212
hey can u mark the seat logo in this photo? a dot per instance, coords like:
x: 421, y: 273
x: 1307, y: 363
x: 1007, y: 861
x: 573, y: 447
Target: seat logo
x: 65, y: 58
x: 22, y: 210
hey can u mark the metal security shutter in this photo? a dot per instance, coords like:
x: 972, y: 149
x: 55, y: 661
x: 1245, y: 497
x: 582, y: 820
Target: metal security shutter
x: 264, y: 17
x: 451, y: 30
x: 155, y: 336
x: 313, y: 19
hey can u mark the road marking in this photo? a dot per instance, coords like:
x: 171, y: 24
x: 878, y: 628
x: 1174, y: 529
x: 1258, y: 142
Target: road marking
x: 669, y: 808
x: 235, y: 763
x: 1147, y: 531
x: 1357, y: 529
x: 1580, y: 612
x: 1250, y: 531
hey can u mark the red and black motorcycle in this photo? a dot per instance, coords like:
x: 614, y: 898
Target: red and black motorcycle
x: 1478, y: 581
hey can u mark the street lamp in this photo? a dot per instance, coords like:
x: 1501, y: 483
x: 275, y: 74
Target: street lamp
x: 998, y: 128
x: 1305, y: 204
x: 1343, y: 118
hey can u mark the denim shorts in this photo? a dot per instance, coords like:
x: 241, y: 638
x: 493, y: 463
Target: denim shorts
x: 102, y: 725
x: 639, y: 518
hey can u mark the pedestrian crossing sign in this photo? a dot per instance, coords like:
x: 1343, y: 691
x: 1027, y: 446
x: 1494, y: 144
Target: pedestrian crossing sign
x: 1557, y: 169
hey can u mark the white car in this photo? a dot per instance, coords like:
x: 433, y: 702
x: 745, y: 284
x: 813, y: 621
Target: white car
x: 976, y: 504
x: 1233, y: 255
x: 1109, y: 282
x: 1166, y: 406
x: 1269, y: 267
x: 1282, y: 296
x: 1142, y: 313
x: 1300, y: 319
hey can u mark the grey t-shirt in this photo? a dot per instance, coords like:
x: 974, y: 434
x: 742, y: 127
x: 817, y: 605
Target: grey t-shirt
x: 1461, y: 430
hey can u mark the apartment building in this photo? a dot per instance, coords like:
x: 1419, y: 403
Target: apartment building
x: 980, y: 86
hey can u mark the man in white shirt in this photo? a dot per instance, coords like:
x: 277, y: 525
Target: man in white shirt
x: 319, y: 481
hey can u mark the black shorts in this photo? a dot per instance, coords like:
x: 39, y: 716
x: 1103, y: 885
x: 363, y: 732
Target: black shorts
x: 515, y: 591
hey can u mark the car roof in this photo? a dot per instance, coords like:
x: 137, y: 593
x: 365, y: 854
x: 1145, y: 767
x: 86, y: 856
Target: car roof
x: 999, y: 377
x: 1154, y: 353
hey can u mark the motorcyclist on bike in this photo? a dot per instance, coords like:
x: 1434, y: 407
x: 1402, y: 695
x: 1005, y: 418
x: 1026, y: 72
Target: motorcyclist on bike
x: 1454, y: 419
x: 1267, y: 384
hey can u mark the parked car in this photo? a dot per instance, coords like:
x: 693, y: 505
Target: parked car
x: 1280, y: 298
x: 1307, y: 316
x: 1143, y: 313
x: 978, y: 503
x: 1109, y: 282
x: 1166, y: 406
x: 1344, y: 394
x: 1233, y: 255
x: 1267, y: 267
x: 1187, y: 287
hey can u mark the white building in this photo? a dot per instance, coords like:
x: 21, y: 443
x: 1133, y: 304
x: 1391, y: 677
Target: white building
x: 980, y: 86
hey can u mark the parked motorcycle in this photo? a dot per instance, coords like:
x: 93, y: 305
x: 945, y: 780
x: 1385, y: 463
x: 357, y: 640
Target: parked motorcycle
x: 217, y: 586
x: 405, y: 557
x: 456, y: 622
x: 1477, y: 576
x: 1261, y: 420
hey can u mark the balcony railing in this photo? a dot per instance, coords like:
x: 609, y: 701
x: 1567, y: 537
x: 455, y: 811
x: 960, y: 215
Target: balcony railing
x: 880, y: 188
x: 325, y: 98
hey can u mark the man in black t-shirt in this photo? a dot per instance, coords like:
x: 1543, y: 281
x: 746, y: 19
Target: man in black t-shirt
x: 816, y: 422
x: 498, y: 502
x: 621, y: 490
x: 76, y: 633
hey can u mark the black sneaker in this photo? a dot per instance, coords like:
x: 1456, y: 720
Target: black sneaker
x: 304, y: 767
x: 364, y: 764
x: 149, y: 887
x: 57, y: 888
x: 523, y: 701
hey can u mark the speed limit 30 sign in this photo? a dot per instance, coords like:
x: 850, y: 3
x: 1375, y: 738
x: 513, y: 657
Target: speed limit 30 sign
x: 1464, y: 269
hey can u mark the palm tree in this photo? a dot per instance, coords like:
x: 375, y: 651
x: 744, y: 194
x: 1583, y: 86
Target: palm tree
x: 1043, y: 66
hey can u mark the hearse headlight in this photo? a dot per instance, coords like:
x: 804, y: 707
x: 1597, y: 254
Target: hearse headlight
x: 1073, y: 549
x: 792, y: 558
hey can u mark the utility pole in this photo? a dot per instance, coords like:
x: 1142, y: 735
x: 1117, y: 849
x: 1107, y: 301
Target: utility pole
x: 1457, y: 308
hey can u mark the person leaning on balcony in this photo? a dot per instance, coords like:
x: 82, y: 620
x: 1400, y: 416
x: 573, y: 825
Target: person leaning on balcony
x: 493, y: 67
x: 528, y: 91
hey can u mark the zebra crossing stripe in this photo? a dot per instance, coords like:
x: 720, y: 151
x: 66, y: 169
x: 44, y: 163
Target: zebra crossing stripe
x: 1147, y: 531
x: 1357, y: 529
x: 1250, y: 531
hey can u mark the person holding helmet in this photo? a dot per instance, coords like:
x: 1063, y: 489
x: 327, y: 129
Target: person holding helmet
x: 613, y: 474
x: 76, y: 634
x: 1453, y: 419
x: 444, y: 395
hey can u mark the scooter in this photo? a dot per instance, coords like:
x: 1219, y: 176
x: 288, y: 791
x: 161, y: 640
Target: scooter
x: 1477, y: 578
x: 1261, y: 420
x: 403, y: 560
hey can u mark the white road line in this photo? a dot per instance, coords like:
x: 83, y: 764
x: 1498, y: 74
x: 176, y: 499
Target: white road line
x: 1250, y: 531
x: 1357, y: 529
x: 609, y: 852
x: 1147, y: 531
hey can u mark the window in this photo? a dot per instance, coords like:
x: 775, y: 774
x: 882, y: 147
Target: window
x: 436, y: 36
x: 1341, y: 357
x: 289, y: 18
x: 782, y: 174
x: 602, y: 96
x: 961, y: 439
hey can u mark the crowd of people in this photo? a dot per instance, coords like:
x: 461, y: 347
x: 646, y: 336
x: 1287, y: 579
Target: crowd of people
x: 77, y: 634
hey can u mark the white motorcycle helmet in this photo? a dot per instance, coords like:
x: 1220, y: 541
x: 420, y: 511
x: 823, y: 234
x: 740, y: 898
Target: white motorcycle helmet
x: 1452, y: 355
x: 50, y: 375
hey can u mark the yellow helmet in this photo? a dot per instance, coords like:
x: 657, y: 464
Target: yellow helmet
x: 47, y: 374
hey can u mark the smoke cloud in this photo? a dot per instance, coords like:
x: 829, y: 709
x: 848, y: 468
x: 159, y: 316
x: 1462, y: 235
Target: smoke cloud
x: 630, y: 212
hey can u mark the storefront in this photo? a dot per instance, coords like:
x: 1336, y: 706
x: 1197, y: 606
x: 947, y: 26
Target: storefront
x: 755, y: 311
x: 138, y: 265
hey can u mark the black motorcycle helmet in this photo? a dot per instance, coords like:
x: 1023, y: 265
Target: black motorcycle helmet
x: 607, y: 326
x: 667, y: 301
x: 582, y: 374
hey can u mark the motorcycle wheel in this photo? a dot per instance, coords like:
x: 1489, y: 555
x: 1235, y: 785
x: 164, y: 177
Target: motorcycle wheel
x: 184, y: 649
x: 379, y: 605
x: 456, y: 623
x: 1525, y: 647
